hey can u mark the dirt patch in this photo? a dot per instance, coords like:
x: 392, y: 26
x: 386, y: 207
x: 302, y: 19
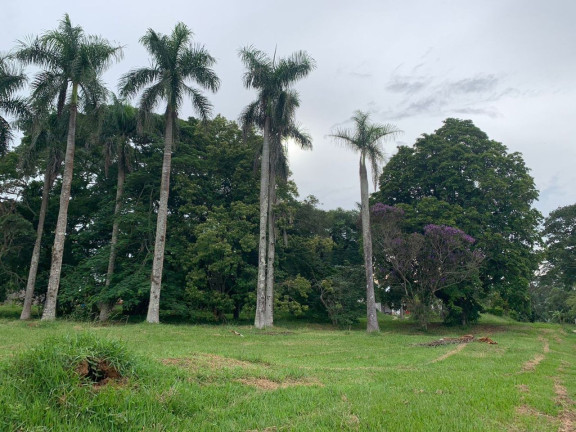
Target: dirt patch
x: 459, y: 340
x: 266, y: 384
x: 268, y: 429
x: 546, y: 347
x: 278, y: 333
x: 523, y: 388
x: 530, y: 365
x: 211, y: 361
x: 567, y: 416
x: 98, y: 372
x: 528, y: 410
x: 450, y: 353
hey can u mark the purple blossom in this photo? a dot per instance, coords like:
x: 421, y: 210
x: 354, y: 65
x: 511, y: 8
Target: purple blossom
x: 382, y: 209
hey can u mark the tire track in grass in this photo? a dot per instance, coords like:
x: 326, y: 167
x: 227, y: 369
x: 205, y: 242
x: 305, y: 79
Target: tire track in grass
x: 450, y: 353
x: 567, y: 415
x: 531, y: 364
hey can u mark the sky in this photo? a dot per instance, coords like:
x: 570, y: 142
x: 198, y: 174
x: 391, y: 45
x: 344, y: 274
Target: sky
x: 508, y: 65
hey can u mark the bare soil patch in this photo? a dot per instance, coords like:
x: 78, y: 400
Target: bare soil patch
x: 546, y: 347
x: 530, y: 365
x: 98, y: 372
x: 266, y: 384
x: 568, y: 415
x: 528, y: 410
x: 211, y: 361
x: 450, y: 353
x: 459, y: 340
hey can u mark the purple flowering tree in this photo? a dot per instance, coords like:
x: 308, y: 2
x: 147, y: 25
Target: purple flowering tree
x: 421, y: 264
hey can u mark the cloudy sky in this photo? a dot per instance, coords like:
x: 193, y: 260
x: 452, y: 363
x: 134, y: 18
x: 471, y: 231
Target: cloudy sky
x: 508, y: 65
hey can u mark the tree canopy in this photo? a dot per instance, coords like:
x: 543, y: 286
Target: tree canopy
x: 457, y: 176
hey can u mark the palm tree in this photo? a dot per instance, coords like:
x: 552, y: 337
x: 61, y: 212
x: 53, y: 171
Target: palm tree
x: 11, y: 81
x: 283, y: 127
x: 48, y: 131
x: 271, y: 79
x: 367, y: 139
x: 72, y: 64
x: 120, y: 124
x: 174, y: 62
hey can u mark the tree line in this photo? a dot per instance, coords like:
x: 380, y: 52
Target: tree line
x: 450, y: 229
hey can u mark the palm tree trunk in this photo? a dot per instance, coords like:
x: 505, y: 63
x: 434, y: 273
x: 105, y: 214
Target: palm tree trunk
x: 260, y: 318
x: 160, y: 241
x: 27, y: 309
x: 106, y: 306
x: 372, y: 319
x: 60, y: 236
x: 269, y: 314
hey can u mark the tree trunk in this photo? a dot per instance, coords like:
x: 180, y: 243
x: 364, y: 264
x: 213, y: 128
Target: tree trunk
x: 260, y: 318
x: 106, y: 306
x: 160, y: 241
x: 372, y: 319
x: 60, y: 236
x: 48, y: 180
x: 269, y: 313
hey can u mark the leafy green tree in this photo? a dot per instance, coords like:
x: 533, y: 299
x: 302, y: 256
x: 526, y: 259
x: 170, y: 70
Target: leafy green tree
x: 12, y: 80
x: 367, y: 139
x: 458, y: 176
x: 553, y: 293
x: 560, y: 240
x: 215, y: 207
x: 272, y: 79
x: 120, y: 121
x: 175, y: 62
x: 73, y: 63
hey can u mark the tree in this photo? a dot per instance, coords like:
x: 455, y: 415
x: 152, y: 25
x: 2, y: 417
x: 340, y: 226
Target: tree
x: 272, y: 79
x: 175, y: 62
x: 283, y: 127
x: 553, y: 293
x: 47, y: 132
x: 560, y: 240
x: 73, y: 63
x: 457, y: 176
x: 120, y: 122
x: 422, y: 264
x: 367, y: 139
x: 11, y: 81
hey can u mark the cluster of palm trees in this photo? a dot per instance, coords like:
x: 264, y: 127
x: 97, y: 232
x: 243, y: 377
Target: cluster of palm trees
x: 71, y: 65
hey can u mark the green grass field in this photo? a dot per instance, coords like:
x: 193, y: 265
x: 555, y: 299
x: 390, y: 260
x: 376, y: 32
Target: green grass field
x: 299, y: 377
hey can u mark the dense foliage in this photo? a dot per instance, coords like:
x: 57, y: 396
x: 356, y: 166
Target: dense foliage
x: 554, y: 292
x: 459, y: 177
x: 426, y: 266
x: 155, y: 198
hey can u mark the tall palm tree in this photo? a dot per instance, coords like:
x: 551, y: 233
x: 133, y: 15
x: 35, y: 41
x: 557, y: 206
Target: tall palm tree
x: 47, y: 132
x: 72, y: 63
x: 120, y: 126
x: 283, y: 127
x: 271, y: 79
x: 11, y: 81
x: 367, y: 139
x: 174, y: 62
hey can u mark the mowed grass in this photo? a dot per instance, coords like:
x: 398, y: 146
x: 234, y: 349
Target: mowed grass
x: 298, y: 377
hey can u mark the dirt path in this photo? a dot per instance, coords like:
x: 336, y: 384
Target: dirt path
x: 450, y: 353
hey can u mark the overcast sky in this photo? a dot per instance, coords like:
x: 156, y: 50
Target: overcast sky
x: 509, y: 66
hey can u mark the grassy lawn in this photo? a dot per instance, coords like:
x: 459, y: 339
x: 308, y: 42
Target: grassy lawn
x: 299, y: 377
